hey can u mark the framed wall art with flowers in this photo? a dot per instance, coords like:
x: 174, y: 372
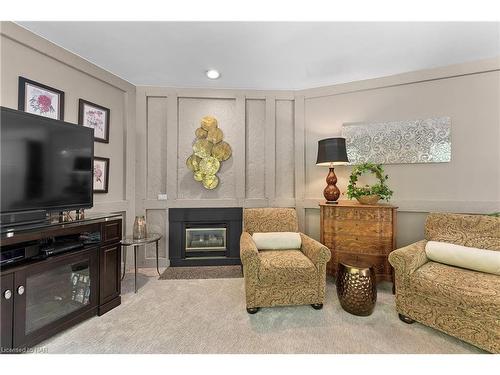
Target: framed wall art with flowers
x: 40, y: 99
x: 101, y: 174
x: 96, y: 117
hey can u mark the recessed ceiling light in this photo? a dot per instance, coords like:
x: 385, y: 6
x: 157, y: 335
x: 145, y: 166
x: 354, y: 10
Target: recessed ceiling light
x: 213, y: 74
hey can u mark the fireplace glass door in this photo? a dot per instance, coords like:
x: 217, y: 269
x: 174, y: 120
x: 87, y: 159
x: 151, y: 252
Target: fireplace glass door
x: 205, y: 240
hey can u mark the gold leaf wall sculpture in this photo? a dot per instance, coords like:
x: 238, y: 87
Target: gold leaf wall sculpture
x: 209, y: 151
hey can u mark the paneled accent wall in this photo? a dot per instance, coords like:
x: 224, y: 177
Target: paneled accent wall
x: 259, y: 126
x: 274, y: 139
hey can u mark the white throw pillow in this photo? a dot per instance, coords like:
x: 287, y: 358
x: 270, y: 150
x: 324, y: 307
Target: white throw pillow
x: 462, y: 256
x: 277, y: 240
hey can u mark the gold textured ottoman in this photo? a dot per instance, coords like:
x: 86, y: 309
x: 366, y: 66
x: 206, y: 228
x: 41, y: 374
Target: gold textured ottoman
x: 357, y: 288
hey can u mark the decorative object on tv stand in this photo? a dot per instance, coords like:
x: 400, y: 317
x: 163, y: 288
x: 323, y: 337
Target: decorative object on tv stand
x: 331, y: 151
x: 43, y: 100
x: 399, y: 142
x: 95, y: 117
x: 369, y: 194
x: 65, y: 216
x: 101, y: 174
x: 139, y: 231
x: 209, y: 151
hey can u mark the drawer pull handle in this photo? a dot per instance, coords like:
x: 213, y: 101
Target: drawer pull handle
x: 20, y: 290
x: 7, y: 294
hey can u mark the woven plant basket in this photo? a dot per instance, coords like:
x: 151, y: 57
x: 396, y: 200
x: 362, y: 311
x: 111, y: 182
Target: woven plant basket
x: 368, y: 199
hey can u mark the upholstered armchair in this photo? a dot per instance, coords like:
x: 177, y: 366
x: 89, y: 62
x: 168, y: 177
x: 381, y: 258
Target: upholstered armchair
x: 281, y: 277
x: 457, y: 301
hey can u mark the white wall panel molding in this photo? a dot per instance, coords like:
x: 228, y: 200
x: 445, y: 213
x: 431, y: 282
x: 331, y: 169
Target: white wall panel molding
x: 240, y: 146
x: 425, y: 206
x: 129, y: 157
x: 473, y: 207
x: 154, y: 204
x: 270, y: 149
x: 151, y: 204
x: 299, y: 151
x: 141, y: 175
x: 255, y: 202
x: 200, y: 93
x: 158, y: 223
x: 194, y: 203
x: 115, y: 206
x: 283, y: 202
x: 172, y: 145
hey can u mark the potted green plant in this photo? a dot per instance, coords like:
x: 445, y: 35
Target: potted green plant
x: 369, y: 194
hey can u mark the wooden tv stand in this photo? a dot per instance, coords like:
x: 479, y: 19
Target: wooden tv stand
x: 41, y: 297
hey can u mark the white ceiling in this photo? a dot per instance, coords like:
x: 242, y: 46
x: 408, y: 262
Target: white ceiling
x: 276, y: 55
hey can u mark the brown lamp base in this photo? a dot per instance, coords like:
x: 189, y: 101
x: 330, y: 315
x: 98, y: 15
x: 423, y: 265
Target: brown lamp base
x: 331, y: 192
x: 331, y: 202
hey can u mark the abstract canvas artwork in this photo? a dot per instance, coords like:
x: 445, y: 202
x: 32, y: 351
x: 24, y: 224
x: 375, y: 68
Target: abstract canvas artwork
x: 399, y: 142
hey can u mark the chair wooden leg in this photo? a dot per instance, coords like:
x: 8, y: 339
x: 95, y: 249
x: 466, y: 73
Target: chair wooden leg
x: 406, y: 319
x: 317, y: 306
x: 252, y: 310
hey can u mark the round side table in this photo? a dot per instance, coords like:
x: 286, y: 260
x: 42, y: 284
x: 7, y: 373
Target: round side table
x: 130, y: 241
x: 357, y: 288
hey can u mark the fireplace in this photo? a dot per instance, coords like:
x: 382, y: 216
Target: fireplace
x: 204, y: 236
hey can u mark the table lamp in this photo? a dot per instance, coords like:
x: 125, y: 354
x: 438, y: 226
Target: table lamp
x: 331, y: 151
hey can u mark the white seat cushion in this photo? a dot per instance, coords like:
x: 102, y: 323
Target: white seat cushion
x: 277, y: 240
x: 462, y: 256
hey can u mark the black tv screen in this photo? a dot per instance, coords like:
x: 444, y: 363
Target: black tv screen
x: 47, y: 164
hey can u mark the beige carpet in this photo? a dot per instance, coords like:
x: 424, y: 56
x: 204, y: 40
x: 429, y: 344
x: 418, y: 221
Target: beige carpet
x: 208, y: 316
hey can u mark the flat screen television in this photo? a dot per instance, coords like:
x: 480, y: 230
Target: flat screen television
x: 47, y: 165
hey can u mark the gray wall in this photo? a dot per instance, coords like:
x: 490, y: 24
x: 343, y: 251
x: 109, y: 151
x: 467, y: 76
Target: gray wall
x: 273, y: 135
x: 274, y: 138
x: 259, y: 126
x: 468, y: 93
x: 26, y: 54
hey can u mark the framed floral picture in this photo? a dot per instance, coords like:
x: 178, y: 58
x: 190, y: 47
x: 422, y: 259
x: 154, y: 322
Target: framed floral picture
x: 101, y: 174
x: 96, y: 117
x: 43, y: 100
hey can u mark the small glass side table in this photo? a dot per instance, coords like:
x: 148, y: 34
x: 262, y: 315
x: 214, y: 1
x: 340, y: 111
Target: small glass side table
x: 130, y: 241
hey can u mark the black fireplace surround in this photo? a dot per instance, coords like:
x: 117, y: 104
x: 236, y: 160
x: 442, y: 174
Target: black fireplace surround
x: 204, y: 236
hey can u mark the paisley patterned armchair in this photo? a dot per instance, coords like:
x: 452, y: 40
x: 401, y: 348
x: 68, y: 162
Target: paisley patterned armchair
x: 457, y: 301
x: 281, y: 277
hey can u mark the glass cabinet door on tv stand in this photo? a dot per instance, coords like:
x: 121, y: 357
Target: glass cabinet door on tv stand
x: 53, y: 291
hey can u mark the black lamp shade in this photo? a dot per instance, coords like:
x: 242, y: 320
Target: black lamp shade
x: 332, y: 151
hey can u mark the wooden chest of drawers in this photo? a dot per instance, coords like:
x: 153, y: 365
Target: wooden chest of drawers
x: 359, y: 233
